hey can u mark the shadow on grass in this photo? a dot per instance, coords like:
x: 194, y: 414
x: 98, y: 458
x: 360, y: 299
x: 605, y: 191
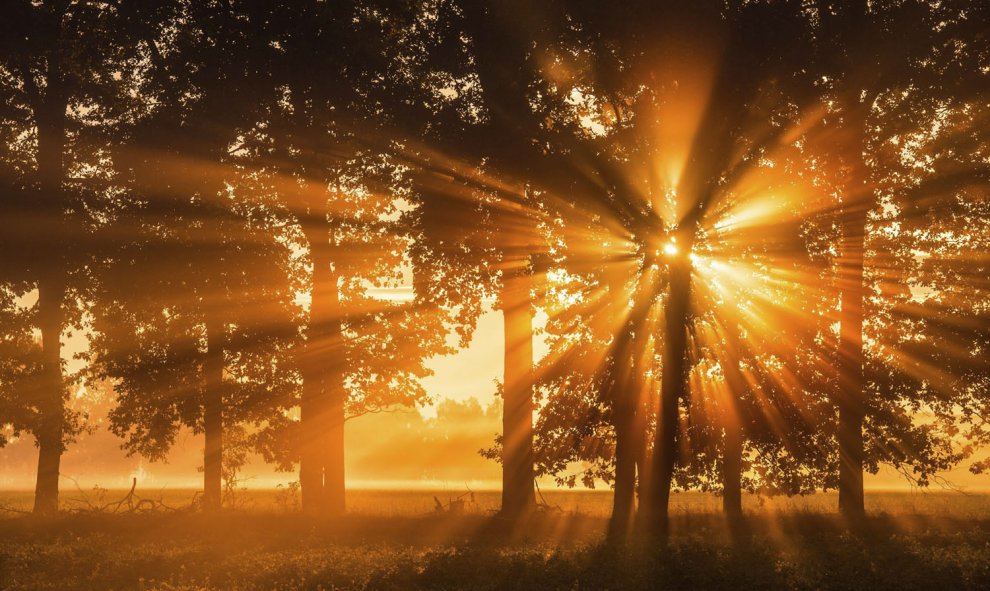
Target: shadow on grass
x: 550, y: 551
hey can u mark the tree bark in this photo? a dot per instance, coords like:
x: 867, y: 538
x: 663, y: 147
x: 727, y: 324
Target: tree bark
x: 321, y: 467
x: 851, y: 27
x: 333, y: 472
x: 732, y: 469
x: 672, y: 387
x: 518, y: 496
x: 851, y: 403
x: 310, y: 452
x: 624, y: 495
x: 732, y: 424
x: 51, y: 293
x: 619, y: 384
x: 50, y: 119
x: 628, y: 395
x: 642, y: 440
x: 213, y: 417
x: 852, y: 388
x: 321, y: 470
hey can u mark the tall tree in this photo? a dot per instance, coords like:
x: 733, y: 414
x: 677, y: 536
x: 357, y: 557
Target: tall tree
x: 867, y: 59
x: 214, y: 296
x: 57, y: 92
x: 329, y: 139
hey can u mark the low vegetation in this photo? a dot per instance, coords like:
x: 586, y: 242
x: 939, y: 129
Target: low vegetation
x: 910, y: 541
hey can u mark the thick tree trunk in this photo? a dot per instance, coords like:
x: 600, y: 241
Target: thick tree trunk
x: 672, y: 387
x: 312, y: 455
x: 51, y: 295
x: 321, y: 469
x: 624, y: 495
x: 310, y: 452
x: 518, y: 497
x: 213, y: 417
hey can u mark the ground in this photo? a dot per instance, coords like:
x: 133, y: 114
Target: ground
x: 396, y: 540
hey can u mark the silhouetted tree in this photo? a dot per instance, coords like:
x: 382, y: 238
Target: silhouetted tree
x: 57, y: 60
x: 867, y: 59
x: 199, y: 340
x: 329, y: 137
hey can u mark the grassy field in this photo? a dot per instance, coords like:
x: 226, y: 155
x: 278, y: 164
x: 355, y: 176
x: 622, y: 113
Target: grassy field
x: 591, y: 503
x: 395, y: 540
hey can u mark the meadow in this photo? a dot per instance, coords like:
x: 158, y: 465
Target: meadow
x: 398, y: 540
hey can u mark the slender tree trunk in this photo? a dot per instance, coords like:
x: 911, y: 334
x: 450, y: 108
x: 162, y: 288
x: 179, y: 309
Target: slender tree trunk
x: 732, y: 469
x: 672, y: 387
x: 50, y: 118
x: 851, y: 398
x: 213, y: 417
x: 620, y: 384
x: 333, y: 472
x: 627, y: 397
x: 732, y: 423
x: 311, y: 452
x: 51, y: 293
x: 518, y: 497
x: 642, y: 441
x: 852, y: 395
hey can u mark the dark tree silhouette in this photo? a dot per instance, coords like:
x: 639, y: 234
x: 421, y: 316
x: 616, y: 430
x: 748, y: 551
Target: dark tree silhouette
x: 58, y: 93
x: 200, y: 340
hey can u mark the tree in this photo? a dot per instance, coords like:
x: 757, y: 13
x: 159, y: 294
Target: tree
x: 57, y: 92
x: 703, y: 152
x: 868, y: 60
x: 200, y: 340
x: 328, y: 139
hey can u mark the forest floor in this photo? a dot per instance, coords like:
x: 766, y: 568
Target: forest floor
x: 396, y: 540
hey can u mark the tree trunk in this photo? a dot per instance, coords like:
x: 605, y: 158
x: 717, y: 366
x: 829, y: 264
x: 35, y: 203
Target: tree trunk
x: 620, y: 385
x: 51, y: 294
x: 50, y: 119
x: 310, y: 452
x: 321, y: 469
x: 732, y: 469
x: 628, y: 396
x: 642, y: 440
x: 624, y: 496
x: 851, y: 401
x: 852, y: 395
x: 672, y: 387
x: 732, y: 423
x: 333, y: 472
x: 518, y: 497
x: 213, y: 417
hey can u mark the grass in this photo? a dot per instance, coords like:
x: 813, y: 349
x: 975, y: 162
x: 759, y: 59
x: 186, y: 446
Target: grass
x: 394, y: 540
